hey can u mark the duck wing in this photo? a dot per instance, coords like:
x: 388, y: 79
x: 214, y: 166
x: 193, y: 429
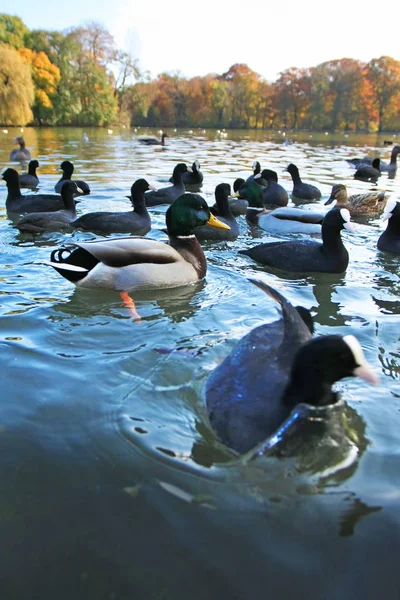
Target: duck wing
x: 121, y: 252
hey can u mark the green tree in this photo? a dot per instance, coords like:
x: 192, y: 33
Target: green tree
x: 16, y: 88
x: 12, y: 31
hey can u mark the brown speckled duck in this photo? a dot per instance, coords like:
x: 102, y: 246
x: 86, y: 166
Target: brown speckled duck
x: 370, y: 203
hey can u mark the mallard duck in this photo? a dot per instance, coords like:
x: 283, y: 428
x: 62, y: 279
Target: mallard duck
x: 193, y: 177
x: 136, y: 263
x: 273, y: 194
x: 20, y: 154
x: 28, y: 203
x: 390, y: 238
x: 205, y: 232
x: 39, y: 222
x: 274, y: 368
x: 369, y: 172
x: 302, y: 191
x: 390, y: 167
x: 68, y: 168
x: 309, y: 255
x: 170, y: 193
x: 371, y: 203
x: 288, y: 220
x: 150, y: 140
x: 136, y: 221
x: 30, y: 179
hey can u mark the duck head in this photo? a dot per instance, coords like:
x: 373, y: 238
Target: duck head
x: 139, y: 187
x: 10, y: 176
x: 33, y: 165
x: 66, y: 167
x: 338, y: 193
x: 336, y: 220
x: 178, y: 171
x: 292, y: 170
x: 237, y: 184
x: 269, y: 175
x: 332, y: 358
x: 188, y: 212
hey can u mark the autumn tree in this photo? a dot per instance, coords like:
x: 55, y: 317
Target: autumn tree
x: 243, y: 86
x: 292, y: 96
x: 16, y: 88
x: 384, y: 75
x: 45, y: 77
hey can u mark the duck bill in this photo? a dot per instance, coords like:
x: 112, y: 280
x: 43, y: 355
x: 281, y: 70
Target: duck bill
x: 329, y: 201
x: 366, y: 373
x: 214, y: 222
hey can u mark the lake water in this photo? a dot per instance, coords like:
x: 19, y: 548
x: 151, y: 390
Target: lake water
x: 113, y: 486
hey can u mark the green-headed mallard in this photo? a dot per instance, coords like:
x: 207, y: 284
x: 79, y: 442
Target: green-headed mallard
x: 136, y: 263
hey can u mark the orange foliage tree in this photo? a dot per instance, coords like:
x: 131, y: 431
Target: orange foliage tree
x: 45, y: 77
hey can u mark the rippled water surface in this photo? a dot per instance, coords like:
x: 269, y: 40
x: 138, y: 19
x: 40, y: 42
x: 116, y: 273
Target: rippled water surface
x: 113, y: 486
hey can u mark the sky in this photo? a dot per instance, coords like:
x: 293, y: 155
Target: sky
x: 210, y: 36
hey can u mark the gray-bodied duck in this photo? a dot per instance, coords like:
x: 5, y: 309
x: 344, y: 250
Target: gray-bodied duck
x: 304, y: 192
x: 30, y: 179
x: 192, y: 177
x: 274, y: 194
x: 137, y: 263
x: 68, y: 169
x: 39, y: 222
x: 151, y: 140
x: 20, y: 154
x: 170, y: 193
x: 136, y: 221
x: 28, y: 203
x: 390, y: 167
x: 369, y: 172
x: 330, y: 256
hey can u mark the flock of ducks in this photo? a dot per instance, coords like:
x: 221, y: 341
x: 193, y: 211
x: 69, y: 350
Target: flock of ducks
x: 281, y: 357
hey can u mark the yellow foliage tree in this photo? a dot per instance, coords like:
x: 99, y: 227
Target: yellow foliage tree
x: 16, y: 88
x: 45, y: 77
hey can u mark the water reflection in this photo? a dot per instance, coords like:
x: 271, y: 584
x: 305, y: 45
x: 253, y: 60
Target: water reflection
x: 177, y: 304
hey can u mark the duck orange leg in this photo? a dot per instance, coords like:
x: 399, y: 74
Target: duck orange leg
x: 129, y: 303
